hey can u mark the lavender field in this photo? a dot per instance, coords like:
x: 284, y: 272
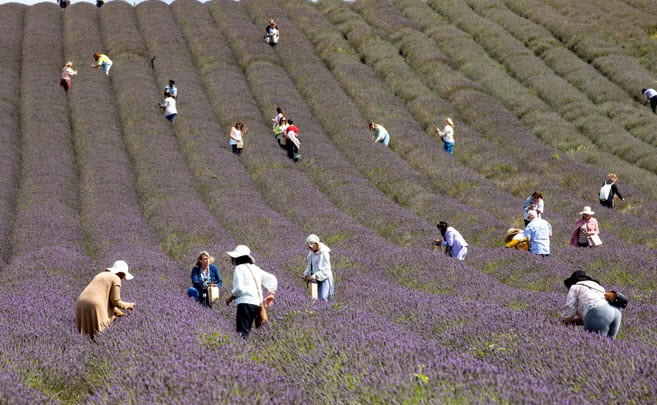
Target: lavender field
x: 545, y: 95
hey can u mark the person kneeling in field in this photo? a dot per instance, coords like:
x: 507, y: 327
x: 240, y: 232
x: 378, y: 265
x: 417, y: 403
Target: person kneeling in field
x: 515, y: 238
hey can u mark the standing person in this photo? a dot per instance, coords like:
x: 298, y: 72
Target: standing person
x: 533, y: 202
x: 609, y: 191
x: 204, y: 274
x: 271, y: 33
x: 538, y: 233
x: 292, y: 141
x: 67, y: 72
x: 379, y: 134
x: 447, y: 135
x: 172, y: 89
x: 280, y: 130
x: 650, y: 96
x: 456, y: 246
x: 319, y: 268
x: 279, y: 114
x: 586, y: 304
x: 99, y: 3
x: 169, y: 107
x: 98, y: 304
x: 235, y: 135
x: 248, y: 280
x: 584, y: 228
x: 102, y: 61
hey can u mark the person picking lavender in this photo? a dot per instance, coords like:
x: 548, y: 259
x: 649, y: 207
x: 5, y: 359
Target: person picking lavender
x: 455, y: 244
x: 204, y: 274
x: 379, y: 134
x: 586, y: 305
x: 99, y: 304
x: 102, y: 61
x: 538, y: 232
x: 248, y: 280
x: 319, y: 268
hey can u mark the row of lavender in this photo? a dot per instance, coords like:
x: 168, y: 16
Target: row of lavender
x: 371, y: 381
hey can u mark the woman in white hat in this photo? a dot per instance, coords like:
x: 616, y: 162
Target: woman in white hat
x: 585, y: 227
x: 447, y: 135
x: 98, y: 304
x: 319, y: 268
x: 248, y: 280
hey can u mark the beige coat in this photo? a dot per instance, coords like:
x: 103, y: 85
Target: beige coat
x: 99, y: 303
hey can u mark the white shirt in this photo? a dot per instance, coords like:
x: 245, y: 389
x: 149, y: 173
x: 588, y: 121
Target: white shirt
x: 235, y: 136
x: 319, y: 263
x: 169, y: 106
x: 650, y: 93
x: 245, y: 288
x: 582, y: 297
x: 448, y: 134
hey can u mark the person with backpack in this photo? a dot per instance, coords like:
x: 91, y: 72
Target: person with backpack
x: 292, y: 141
x: 586, y: 305
x: 650, y: 96
x: 67, y: 72
x: 455, y: 244
x: 609, y: 191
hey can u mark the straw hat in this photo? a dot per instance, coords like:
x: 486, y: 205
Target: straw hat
x: 120, y: 266
x: 587, y: 210
x: 510, y: 234
x: 449, y: 121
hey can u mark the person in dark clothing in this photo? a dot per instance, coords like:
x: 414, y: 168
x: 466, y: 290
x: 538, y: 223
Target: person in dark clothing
x: 650, y: 97
x: 292, y: 142
x: 611, y: 191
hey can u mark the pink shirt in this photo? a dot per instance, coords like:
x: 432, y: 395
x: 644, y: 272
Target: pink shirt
x: 67, y: 72
x: 591, y: 226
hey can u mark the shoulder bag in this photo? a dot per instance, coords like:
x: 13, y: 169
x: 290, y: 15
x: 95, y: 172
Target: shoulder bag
x: 261, y: 317
x: 615, y: 298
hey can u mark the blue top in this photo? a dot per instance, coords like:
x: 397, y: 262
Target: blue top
x: 539, y: 231
x: 197, y: 275
x: 171, y: 89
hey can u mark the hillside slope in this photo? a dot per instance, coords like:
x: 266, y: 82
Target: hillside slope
x: 544, y: 96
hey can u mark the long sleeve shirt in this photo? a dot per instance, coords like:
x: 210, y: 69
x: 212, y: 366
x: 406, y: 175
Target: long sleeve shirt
x: 538, y: 232
x: 245, y: 288
x: 537, y: 207
x: 67, y: 72
x: 447, y: 134
x: 380, y: 134
x: 319, y: 263
x: 591, y: 228
x: 582, y: 297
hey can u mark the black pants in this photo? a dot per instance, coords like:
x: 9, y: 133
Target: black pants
x: 246, y: 314
x: 653, y: 104
x: 202, y: 295
x: 609, y: 203
x: 291, y: 149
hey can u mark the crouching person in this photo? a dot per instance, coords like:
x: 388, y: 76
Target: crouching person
x: 204, y: 275
x: 319, y: 268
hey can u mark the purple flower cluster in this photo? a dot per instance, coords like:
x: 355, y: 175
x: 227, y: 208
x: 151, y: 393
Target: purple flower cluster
x: 97, y: 175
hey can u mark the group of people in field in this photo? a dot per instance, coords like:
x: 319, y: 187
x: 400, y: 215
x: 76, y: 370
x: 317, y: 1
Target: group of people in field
x: 100, y: 302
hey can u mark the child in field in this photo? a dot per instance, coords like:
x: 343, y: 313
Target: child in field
x: 67, y: 72
x: 102, y: 61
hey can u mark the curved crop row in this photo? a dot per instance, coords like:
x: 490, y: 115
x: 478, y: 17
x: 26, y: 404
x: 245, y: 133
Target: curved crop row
x: 11, y: 28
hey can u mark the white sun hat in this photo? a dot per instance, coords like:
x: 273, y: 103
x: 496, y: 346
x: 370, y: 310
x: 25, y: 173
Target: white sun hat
x: 241, y: 250
x: 587, y: 210
x: 120, y: 266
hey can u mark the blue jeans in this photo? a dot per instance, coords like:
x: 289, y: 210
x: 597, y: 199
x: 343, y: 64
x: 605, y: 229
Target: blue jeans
x: 449, y: 147
x: 325, y: 289
x: 106, y: 67
x: 170, y: 117
x: 604, y: 320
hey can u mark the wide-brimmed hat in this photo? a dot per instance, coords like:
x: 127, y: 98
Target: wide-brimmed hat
x: 587, y: 210
x: 449, y: 121
x: 120, y: 266
x: 311, y: 239
x: 241, y: 250
x: 575, y: 277
x: 510, y: 234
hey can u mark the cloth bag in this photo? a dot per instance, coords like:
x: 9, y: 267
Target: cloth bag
x: 261, y: 317
x: 594, y: 240
x: 213, y: 293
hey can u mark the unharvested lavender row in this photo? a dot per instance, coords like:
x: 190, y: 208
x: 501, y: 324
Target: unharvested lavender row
x: 391, y: 221
x: 360, y: 34
x: 11, y: 28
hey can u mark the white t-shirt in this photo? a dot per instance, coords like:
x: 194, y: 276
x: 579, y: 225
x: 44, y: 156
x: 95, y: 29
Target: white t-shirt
x: 650, y: 93
x: 235, y: 136
x: 448, y: 134
x: 169, y: 106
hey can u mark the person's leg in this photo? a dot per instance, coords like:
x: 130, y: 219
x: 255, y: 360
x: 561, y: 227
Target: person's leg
x: 290, y: 149
x: 323, y: 290
x: 616, y: 323
x: 653, y: 104
x: 106, y: 67
x: 449, y: 147
x: 239, y: 151
x: 234, y: 148
x: 192, y: 292
x: 461, y: 253
x: 245, y: 317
